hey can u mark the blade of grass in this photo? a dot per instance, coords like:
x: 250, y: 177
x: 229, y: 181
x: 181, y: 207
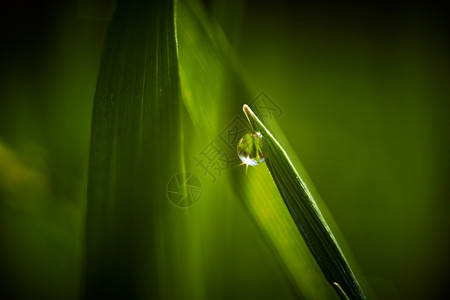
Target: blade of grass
x: 202, y: 52
x: 306, y: 215
x: 135, y: 149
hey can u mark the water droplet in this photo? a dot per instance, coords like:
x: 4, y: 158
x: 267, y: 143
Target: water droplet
x: 251, y: 149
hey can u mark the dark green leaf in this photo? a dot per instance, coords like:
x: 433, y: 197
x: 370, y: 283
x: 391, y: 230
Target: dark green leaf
x: 306, y: 215
x: 135, y: 148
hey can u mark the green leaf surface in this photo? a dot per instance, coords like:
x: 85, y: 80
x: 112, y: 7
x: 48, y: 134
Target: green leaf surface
x: 135, y: 146
x: 306, y: 215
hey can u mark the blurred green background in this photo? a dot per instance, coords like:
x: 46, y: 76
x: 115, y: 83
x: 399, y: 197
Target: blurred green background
x: 364, y: 90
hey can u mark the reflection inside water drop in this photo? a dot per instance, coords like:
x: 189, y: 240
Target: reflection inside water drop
x: 251, y: 149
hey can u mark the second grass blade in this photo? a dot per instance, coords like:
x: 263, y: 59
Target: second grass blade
x: 306, y: 215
